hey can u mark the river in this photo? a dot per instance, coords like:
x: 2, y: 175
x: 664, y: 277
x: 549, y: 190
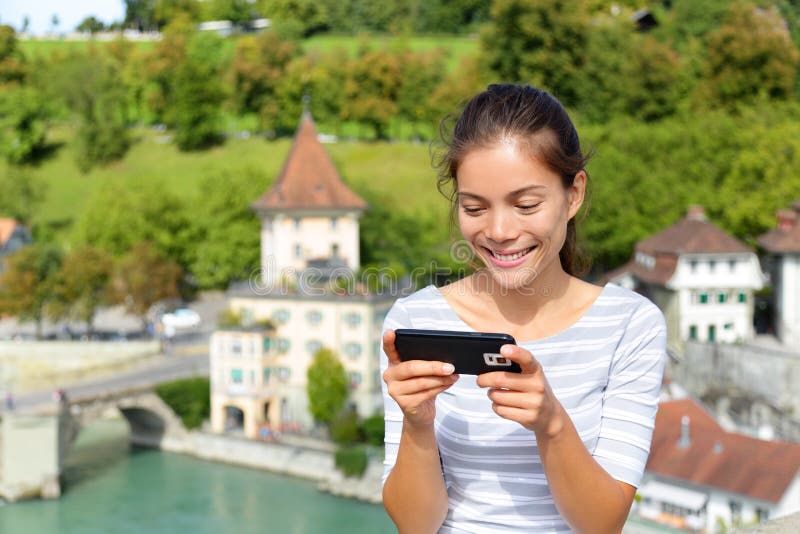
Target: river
x: 111, y: 487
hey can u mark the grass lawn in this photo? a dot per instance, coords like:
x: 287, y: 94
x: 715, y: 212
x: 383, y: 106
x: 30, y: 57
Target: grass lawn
x: 398, y: 172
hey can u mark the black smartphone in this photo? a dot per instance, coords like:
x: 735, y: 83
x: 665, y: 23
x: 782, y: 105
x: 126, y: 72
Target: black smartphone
x: 472, y: 353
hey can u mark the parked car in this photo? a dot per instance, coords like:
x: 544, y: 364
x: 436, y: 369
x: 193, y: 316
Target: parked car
x: 182, y: 318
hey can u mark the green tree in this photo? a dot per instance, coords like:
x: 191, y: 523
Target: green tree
x: 82, y: 285
x: 24, y: 115
x: 451, y: 16
x: 118, y: 215
x: 541, y: 42
x: 140, y: 15
x: 144, y: 277
x: 22, y: 194
x: 199, y: 94
x: 236, y: 11
x: 299, y: 17
x: 166, y: 12
x: 689, y: 20
x: 259, y: 64
x: 421, y: 73
x: 26, y: 285
x: 12, y: 62
x: 91, y: 87
x: 160, y: 67
x: 327, y: 386
x: 228, y: 234
x: 371, y: 89
x: 90, y: 25
x: 750, y: 56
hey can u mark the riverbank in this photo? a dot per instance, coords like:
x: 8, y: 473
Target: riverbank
x: 295, y: 456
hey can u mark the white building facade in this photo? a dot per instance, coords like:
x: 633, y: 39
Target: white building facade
x: 783, y: 248
x: 703, y: 280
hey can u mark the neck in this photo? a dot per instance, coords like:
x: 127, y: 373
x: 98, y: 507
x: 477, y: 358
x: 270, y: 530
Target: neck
x: 521, y: 305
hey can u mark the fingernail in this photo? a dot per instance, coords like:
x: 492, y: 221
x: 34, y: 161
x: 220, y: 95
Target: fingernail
x: 448, y: 368
x: 505, y: 350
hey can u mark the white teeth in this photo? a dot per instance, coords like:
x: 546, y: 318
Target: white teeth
x: 510, y: 257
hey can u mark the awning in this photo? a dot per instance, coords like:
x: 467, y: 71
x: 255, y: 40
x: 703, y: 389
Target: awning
x: 685, y: 498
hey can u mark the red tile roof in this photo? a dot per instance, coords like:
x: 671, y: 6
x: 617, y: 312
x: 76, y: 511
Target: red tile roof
x: 693, y: 234
x: 786, y: 236
x: 735, y: 463
x: 309, y: 180
x: 6, y: 229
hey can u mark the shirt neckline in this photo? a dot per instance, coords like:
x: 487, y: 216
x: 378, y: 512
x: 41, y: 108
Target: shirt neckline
x: 606, y: 288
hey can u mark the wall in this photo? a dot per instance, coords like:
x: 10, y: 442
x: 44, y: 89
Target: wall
x: 30, y: 365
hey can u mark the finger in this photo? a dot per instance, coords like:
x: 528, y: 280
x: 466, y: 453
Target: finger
x: 523, y: 417
x: 522, y: 356
x: 415, y: 368
x: 515, y: 399
x: 389, y: 348
x: 399, y: 388
x: 412, y: 401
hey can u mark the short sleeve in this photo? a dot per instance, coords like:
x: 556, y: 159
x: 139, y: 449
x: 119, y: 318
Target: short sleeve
x: 630, y: 400
x: 393, y: 416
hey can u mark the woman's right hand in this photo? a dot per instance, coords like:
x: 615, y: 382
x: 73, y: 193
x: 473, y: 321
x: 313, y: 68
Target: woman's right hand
x: 414, y: 384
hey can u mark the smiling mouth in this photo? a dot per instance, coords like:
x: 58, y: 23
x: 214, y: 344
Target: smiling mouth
x: 509, y: 257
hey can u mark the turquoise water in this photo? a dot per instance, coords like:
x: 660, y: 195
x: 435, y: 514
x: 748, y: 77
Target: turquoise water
x: 111, y: 487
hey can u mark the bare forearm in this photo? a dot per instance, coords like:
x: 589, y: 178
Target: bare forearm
x: 588, y: 498
x: 414, y: 494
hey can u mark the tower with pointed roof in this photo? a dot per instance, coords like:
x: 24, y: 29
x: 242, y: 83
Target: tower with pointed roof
x: 309, y: 217
x: 309, y: 225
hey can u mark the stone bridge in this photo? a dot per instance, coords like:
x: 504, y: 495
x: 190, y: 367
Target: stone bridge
x: 34, y: 443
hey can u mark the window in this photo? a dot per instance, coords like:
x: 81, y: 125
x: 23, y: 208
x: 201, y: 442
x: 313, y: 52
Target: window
x: 352, y: 349
x: 267, y: 372
x: 352, y: 319
x: 298, y: 223
x: 266, y: 344
x: 703, y: 298
x: 762, y: 515
x: 335, y: 250
x: 236, y: 346
x: 732, y: 265
x: 355, y: 379
x: 333, y: 222
x: 712, y: 333
x: 236, y: 376
x: 314, y: 317
x: 313, y: 346
x: 252, y: 377
x: 742, y: 298
x: 736, y: 512
x: 282, y: 344
x: 281, y: 316
x: 712, y: 266
x: 298, y: 251
x: 722, y: 297
x: 693, y: 266
x: 728, y: 326
x: 284, y: 373
x: 693, y: 332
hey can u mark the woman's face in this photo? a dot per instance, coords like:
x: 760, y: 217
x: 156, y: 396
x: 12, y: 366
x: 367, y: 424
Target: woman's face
x: 513, y: 210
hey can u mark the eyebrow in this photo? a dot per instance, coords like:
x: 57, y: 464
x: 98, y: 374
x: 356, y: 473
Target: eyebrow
x: 511, y: 194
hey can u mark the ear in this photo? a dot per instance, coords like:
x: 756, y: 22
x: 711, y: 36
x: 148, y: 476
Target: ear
x: 575, y: 193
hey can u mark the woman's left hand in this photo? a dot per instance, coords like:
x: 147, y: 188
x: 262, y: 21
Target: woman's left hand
x: 524, y: 397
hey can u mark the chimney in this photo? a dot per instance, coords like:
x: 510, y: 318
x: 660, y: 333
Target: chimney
x: 787, y: 218
x: 696, y: 213
x: 684, y: 441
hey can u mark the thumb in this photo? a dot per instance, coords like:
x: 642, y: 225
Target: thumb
x: 523, y: 357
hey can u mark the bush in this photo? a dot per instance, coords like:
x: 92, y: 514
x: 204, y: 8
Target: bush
x: 352, y: 460
x: 344, y: 427
x: 373, y: 429
x: 189, y: 398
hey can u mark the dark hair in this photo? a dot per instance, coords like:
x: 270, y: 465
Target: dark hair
x: 527, y: 115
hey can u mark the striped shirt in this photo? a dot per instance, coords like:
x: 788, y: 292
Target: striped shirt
x: 605, y: 370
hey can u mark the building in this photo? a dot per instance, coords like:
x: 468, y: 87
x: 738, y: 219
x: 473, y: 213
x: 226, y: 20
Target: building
x: 700, y: 477
x: 782, y: 245
x: 309, y: 246
x: 13, y: 236
x: 702, y: 278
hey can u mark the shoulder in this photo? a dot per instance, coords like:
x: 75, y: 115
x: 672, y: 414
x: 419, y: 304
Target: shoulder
x: 406, y: 308
x: 634, y: 305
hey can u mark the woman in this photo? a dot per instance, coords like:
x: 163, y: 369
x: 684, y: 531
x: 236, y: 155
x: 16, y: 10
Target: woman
x: 561, y: 446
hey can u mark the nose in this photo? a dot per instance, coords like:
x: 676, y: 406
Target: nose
x: 502, y: 227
